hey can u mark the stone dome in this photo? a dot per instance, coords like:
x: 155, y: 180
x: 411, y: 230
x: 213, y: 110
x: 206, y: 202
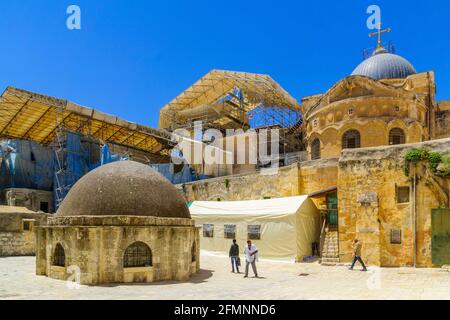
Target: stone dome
x: 124, y: 188
x: 385, y: 65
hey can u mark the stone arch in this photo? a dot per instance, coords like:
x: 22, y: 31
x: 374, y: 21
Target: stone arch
x: 397, y: 136
x: 315, y: 149
x: 59, y: 256
x: 351, y: 139
x: 138, y: 254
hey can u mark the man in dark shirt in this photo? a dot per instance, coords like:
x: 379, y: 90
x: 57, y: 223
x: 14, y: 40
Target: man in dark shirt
x: 234, y: 255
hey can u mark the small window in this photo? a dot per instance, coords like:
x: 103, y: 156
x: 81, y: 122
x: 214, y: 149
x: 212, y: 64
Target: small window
x: 208, y: 231
x: 27, y: 226
x: 43, y: 207
x: 229, y: 231
x: 59, y: 257
x: 396, y: 136
x: 254, y: 232
x: 315, y: 123
x: 396, y: 236
x: 397, y: 109
x: 350, y: 111
x: 32, y: 157
x: 194, y: 252
x: 137, y: 255
x: 351, y: 140
x: 402, y: 194
x: 315, y: 149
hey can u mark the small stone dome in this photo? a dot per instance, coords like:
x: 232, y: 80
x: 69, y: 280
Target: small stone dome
x: 384, y: 65
x: 124, y: 188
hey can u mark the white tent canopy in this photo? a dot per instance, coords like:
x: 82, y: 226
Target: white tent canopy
x: 288, y: 226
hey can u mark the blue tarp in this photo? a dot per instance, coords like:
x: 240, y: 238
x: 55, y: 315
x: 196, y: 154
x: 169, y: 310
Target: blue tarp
x: 108, y: 156
x: 75, y: 163
x: 25, y: 164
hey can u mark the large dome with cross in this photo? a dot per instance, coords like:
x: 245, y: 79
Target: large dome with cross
x: 385, y: 65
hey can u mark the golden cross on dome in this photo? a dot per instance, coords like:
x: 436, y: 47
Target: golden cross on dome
x: 379, y: 33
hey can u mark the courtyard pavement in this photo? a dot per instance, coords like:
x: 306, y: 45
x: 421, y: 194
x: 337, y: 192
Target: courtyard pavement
x: 279, y: 280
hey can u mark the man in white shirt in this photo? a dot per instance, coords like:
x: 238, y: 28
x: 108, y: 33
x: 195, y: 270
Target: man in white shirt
x: 250, y: 258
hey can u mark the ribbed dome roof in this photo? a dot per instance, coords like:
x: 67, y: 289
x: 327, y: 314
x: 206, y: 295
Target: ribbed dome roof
x: 124, y: 188
x: 384, y: 65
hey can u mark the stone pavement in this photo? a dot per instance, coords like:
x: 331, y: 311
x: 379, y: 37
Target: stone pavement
x: 279, y: 280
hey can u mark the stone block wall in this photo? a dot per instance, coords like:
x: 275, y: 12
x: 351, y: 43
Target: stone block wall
x: 368, y: 208
x: 17, y: 244
x: 297, y: 179
x: 97, y: 251
x: 442, y: 124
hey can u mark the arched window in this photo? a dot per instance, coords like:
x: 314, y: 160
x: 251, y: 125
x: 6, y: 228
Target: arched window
x: 397, y: 136
x: 351, y: 140
x: 315, y: 149
x: 137, y: 255
x: 59, y: 257
x: 194, y: 252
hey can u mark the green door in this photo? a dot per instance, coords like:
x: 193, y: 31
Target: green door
x: 440, y: 242
x: 332, y: 206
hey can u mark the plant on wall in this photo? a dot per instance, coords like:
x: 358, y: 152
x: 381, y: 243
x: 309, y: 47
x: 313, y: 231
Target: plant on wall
x: 439, y: 164
x: 227, y: 184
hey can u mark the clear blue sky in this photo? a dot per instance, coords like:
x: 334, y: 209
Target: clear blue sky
x: 133, y: 57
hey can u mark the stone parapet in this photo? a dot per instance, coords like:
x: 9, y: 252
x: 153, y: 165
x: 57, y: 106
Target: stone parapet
x: 122, y: 221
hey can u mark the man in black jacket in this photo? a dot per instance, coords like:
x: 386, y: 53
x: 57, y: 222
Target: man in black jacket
x: 234, y: 255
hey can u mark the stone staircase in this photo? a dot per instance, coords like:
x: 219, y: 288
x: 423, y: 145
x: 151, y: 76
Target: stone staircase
x: 330, y: 249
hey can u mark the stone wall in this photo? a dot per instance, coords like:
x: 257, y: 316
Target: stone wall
x: 97, y: 250
x: 297, y: 179
x: 442, y: 124
x: 283, y: 182
x: 14, y: 239
x: 17, y: 243
x: 368, y: 208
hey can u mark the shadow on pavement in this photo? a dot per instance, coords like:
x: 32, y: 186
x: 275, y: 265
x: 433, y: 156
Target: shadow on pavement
x: 200, y: 277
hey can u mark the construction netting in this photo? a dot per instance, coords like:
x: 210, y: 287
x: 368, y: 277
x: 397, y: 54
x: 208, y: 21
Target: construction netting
x: 25, y: 164
x: 76, y: 155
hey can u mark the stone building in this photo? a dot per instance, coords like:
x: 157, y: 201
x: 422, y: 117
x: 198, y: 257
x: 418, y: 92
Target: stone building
x: 17, y: 230
x: 383, y: 102
x: 120, y: 223
x: 34, y: 200
x: 357, y: 135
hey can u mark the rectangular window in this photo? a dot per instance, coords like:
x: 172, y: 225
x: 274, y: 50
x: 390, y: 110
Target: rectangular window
x: 229, y: 231
x: 208, y: 230
x: 254, y: 232
x: 396, y: 236
x: 27, y: 225
x: 402, y: 194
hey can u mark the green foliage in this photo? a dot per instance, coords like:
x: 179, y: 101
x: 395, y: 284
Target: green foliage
x: 444, y: 167
x: 434, y: 159
x: 227, y: 183
x: 438, y: 163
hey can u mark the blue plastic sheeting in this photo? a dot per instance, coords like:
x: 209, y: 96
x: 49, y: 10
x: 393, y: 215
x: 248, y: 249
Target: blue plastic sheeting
x: 237, y: 93
x: 74, y: 164
x: 25, y: 164
x: 108, y: 156
x: 185, y: 175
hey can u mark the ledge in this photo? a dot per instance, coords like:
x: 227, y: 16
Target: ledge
x: 119, y: 221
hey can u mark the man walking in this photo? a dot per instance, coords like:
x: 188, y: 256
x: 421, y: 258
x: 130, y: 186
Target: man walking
x: 234, y: 256
x: 250, y: 258
x: 357, y: 255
